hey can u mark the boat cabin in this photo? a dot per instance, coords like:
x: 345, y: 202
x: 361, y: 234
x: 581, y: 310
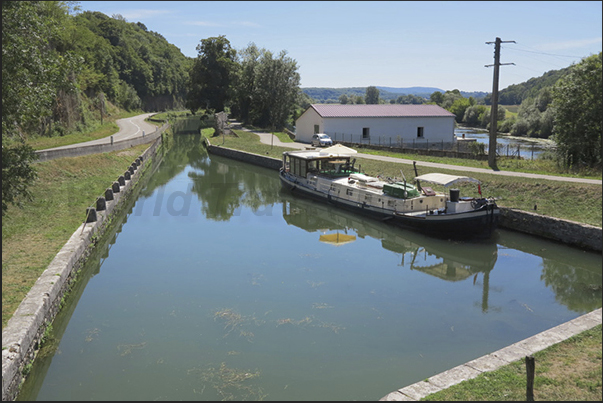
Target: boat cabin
x: 302, y: 163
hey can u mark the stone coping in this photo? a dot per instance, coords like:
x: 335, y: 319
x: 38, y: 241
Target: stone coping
x: 497, y: 359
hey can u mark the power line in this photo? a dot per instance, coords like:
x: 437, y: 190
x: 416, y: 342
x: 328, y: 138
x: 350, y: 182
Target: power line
x: 548, y: 54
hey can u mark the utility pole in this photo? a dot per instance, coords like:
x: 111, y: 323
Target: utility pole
x: 494, y: 107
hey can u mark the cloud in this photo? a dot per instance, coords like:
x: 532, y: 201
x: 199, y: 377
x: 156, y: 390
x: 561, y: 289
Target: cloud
x: 204, y: 24
x: 248, y: 24
x: 214, y: 24
x: 580, y: 43
x: 142, y: 13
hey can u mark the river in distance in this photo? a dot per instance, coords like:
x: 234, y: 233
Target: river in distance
x: 217, y: 285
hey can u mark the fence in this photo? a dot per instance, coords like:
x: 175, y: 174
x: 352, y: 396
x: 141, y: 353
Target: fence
x: 465, y: 148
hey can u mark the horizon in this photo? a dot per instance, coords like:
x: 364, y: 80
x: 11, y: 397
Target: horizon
x: 401, y: 44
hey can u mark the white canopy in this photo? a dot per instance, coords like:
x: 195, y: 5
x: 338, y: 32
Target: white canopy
x: 444, y: 179
x: 338, y: 149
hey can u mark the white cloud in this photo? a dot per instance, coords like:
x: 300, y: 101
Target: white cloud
x: 137, y: 14
x: 204, y: 24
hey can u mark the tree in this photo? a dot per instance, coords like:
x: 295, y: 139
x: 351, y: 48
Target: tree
x: 30, y: 84
x: 343, y: 99
x: 212, y: 74
x: 578, y: 120
x: 437, y: 98
x: 372, y: 95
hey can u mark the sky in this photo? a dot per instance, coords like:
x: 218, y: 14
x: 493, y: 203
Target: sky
x: 339, y: 44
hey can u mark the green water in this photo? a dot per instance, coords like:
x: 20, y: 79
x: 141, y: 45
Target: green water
x: 218, y: 286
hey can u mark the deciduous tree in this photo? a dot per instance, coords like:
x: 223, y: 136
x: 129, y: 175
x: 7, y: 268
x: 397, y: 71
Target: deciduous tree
x: 577, y: 100
x: 212, y: 75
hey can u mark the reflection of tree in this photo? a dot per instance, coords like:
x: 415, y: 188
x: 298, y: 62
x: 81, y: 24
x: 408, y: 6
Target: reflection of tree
x: 576, y: 287
x: 573, y: 275
x: 187, y: 149
x: 223, y: 185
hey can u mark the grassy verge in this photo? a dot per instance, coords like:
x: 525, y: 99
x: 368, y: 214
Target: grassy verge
x: 570, y: 371
x: 34, y: 234
x: 567, y: 200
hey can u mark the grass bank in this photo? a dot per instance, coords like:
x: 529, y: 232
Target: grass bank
x: 34, y: 234
x: 567, y: 371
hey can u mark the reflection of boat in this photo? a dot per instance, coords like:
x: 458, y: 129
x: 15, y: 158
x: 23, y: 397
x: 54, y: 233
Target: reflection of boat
x: 330, y: 175
x: 418, y: 252
x: 337, y: 238
x: 441, y: 258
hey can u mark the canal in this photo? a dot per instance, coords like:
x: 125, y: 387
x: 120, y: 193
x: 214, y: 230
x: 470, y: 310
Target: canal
x: 216, y: 285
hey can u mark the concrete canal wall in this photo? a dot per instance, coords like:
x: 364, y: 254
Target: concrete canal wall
x: 23, y: 334
x: 583, y: 236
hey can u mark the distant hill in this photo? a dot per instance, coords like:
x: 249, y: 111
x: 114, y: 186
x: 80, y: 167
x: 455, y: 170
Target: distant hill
x: 331, y: 95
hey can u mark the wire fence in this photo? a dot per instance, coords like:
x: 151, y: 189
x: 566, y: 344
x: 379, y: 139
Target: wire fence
x: 463, y: 148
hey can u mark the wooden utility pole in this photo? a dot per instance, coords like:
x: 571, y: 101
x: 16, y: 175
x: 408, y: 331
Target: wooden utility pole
x: 494, y: 107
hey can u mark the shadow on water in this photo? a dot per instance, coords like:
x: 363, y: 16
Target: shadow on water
x: 224, y: 300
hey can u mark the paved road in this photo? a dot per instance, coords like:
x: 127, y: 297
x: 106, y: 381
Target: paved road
x: 268, y: 138
x: 128, y: 128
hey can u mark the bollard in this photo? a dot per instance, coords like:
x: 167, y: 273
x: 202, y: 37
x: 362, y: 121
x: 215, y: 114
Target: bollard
x: 101, y: 204
x: 121, y: 180
x: 134, y: 166
x: 109, y: 194
x: 131, y: 170
x: 127, y: 175
x: 138, y: 160
x: 111, y: 140
x: 90, y: 214
x: 115, y: 187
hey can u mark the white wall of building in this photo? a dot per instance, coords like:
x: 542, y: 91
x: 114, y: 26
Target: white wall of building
x: 435, y: 129
x: 304, y: 125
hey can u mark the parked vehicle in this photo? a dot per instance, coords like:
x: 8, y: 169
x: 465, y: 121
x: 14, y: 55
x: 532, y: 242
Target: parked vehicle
x: 330, y: 175
x: 321, y: 140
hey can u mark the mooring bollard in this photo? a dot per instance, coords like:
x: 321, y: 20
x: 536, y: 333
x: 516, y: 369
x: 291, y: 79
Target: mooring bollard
x: 134, y: 166
x: 138, y: 160
x: 109, y: 194
x: 127, y: 175
x: 115, y: 187
x: 101, y: 204
x: 121, y: 180
x: 131, y: 170
x: 111, y: 140
x: 90, y: 214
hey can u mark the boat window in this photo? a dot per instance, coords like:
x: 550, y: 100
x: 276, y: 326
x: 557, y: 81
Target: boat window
x: 296, y: 163
x: 349, y: 192
x: 303, y: 168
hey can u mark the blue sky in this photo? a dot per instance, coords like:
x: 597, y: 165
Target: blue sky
x: 340, y: 44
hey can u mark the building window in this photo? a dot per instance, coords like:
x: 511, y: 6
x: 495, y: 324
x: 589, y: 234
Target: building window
x: 365, y: 133
x: 316, y: 129
x: 419, y: 132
